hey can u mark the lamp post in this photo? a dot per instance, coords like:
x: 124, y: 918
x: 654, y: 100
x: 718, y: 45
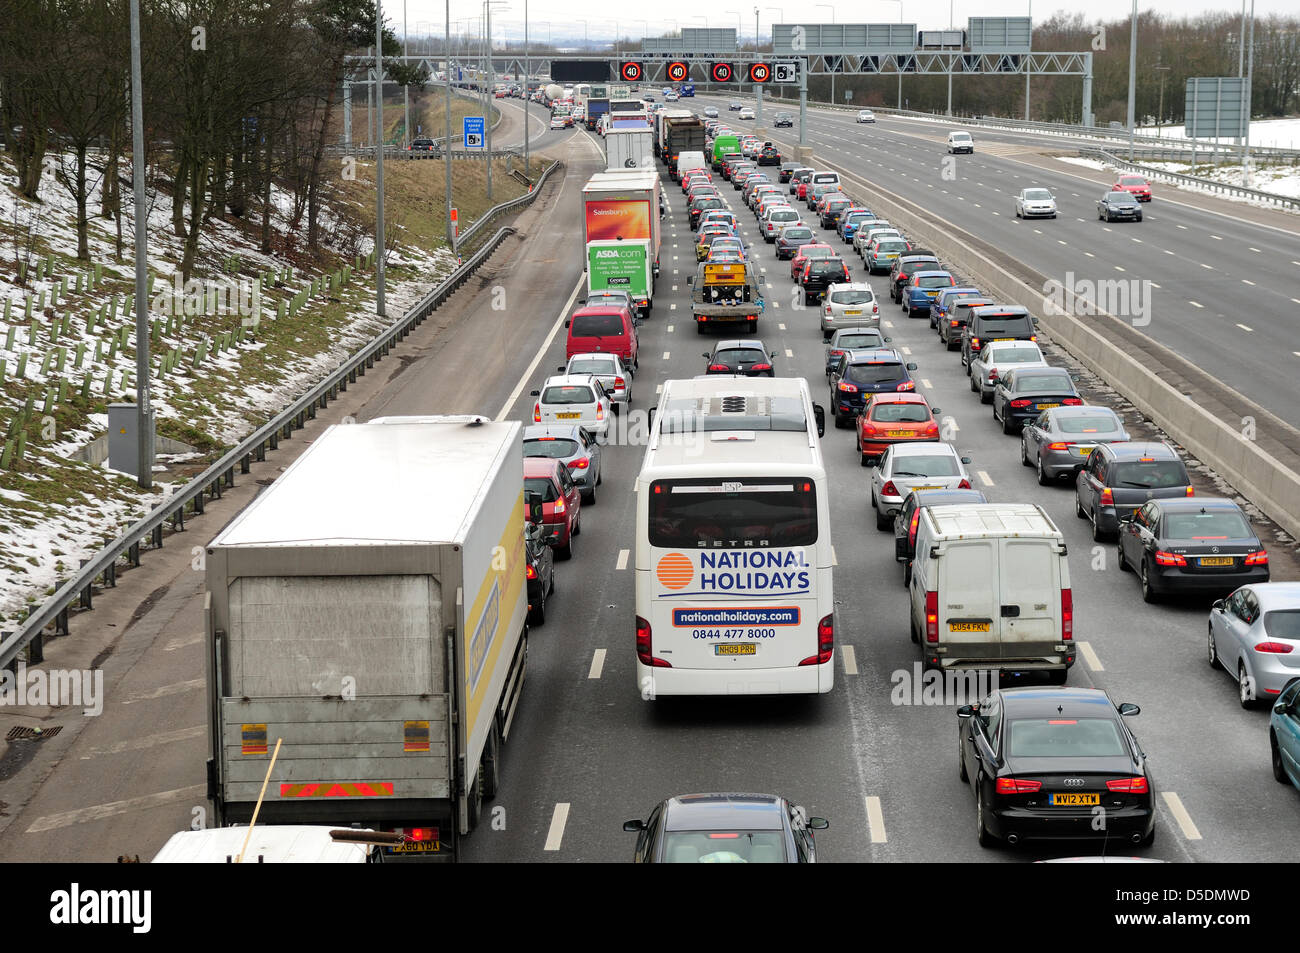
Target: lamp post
x: 1250, y: 77
x: 1132, y: 79
x: 1160, y: 114
x: 528, y: 69
x: 379, y: 159
x: 832, y: 10
x: 143, y: 412
x: 446, y: 142
x: 406, y: 90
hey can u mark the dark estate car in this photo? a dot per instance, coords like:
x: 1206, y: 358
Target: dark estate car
x: 540, y: 570
x: 783, y: 121
x: 1041, y: 761
x: 861, y: 373
x: 726, y: 828
x: 819, y: 274
x: 1120, y: 477
x: 995, y: 323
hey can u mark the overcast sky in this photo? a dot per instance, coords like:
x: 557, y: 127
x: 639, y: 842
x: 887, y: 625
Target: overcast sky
x: 564, y: 18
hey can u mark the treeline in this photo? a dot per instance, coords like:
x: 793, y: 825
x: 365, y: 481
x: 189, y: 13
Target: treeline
x: 238, y: 94
x: 1204, y: 45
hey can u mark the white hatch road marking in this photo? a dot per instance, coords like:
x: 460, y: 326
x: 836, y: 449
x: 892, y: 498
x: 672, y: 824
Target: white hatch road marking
x: 889, y: 324
x: 789, y: 353
x: 1167, y: 251
x: 907, y: 350
x: 97, y: 812
x: 541, y: 351
x: 850, y: 661
x: 622, y: 560
x: 1196, y: 304
x: 177, y: 688
x: 1090, y: 656
x: 182, y: 642
x: 558, y: 820
x: 597, y: 663
x: 1175, y: 805
x: 666, y: 354
x: 780, y: 327
x: 925, y: 383
x: 876, y: 820
x: 1244, y: 327
x: 776, y: 304
x: 1183, y: 227
x: 149, y: 741
x: 983, y: 475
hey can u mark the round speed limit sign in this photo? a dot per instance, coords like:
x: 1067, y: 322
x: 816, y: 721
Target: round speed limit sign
x: 678, y: 72
x: 631, y: 71
x: 721, y: 72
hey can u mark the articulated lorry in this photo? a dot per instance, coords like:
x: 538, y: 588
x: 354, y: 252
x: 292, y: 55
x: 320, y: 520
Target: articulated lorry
x: 724, y: 294
x: 621, y: 233
x: 628, y: 149
x: 681, y: 134
x: 367, y: 614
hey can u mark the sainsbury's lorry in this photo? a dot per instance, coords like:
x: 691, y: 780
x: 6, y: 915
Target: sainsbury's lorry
x: 621, y: 233
x: 367, y: 611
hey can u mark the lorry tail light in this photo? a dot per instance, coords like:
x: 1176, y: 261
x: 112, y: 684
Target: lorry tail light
x: 1067, y: 614
x: 932, y: 616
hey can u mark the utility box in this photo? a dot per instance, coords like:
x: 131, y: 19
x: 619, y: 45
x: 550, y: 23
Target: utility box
x: 123, y: 446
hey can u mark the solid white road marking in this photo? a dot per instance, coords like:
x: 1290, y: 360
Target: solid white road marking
x: 177, y: 688
x: 1175, y: 805
x: 622, y: 560
x: 597, y: 663
x: 1247, y: 281
x: 672, y: 307
x: 876, y: 820
x: 541, y: 351
x: 97, y: 812
x: 558, y: 820
x: 850, y: 661
x: 983, y: 475
x: 1090, y: 656
x: 148, y: 741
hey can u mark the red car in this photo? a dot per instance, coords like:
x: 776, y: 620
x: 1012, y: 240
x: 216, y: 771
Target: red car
x: 692, y: 177
x: 894, y: 418
x: 1135, y: 185
x: 561, y: 502
x: 815, y: 250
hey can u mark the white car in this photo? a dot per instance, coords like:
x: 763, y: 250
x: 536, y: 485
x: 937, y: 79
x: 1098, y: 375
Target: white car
x: 746, y: 113
x: 903, y: 468
x: 995, y: 358
x: 615, y: 379
x: 711, y: 112
x: 866, y: 115
x: 849, y: 305
x: 1034, y: 202
x: 560, y: 122
x: 776, y: 218
x: 671, y: 97
x: 573, y: 399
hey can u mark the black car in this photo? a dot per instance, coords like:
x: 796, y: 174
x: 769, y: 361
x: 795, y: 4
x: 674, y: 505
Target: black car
x: 1120, y: 477
x: 861, y: 373
x: 829, y: 217
x: 1119, y: 205
x: 951, y: 330
x: 1203, y: 544
x: 906, y: 265
x: 1041, y: 761
x: 423, y: 146
x: 1023, y: 393
x: 819, y: 274
x: 769, y: 155
x: 791, y: 239
x: 539, y: 565
x: 783, y: 121
x: 908, y: 518
x: 748, y: 357
x: 787, y: 168
x: 726, y: 828
x: 995, y: 323
x: 702, y: 205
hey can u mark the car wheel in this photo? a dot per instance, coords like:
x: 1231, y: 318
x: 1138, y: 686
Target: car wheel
x: 1119, y: 557
x: 565, y: 551
x: 973, y: 388
x: 1213, y: 650
x: 1044, y: 478
x: 982, y: 835
x: 1079, y: 511
x: 961, y: 762
x: 1139, y: 217
x: 1024, y: 453
x: 1149, y: 839
x: 538, y: 616
x: 1279, y: 772
x: 1098, y: 535
x: 1148, y: 594
x: 985, y: 397
x: 589, y: 499
x: 883, y: 520
x: 826, y: 336
x: 1245, y: 688
x: 1017, y: 213
x: 907, y: 573
x: 577, y: 527
x: 916, y: 638
x: 1008, y: 426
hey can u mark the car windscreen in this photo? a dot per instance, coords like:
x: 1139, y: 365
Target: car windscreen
x: 568, y: 394
x: 1037, y: 195
x: 591, y: 365
x: 1043, y: 382
x: 733, y: 356
x: 885, y: 248
x: 851, y: 297
x: 1282, y: 624
x: 1149, y: 474
x: 824, y: 251
x: 786, y: 215
x: 1132, y: 180
x: 900, y: 413
x: 1064, y: 738
x: 596, y: 325
x: 1006, y: 327
x: 556, y: 448
x: 960, y: 135
x: 727, y: 512
x: 1122, y: 198
x: 1086, y: 425
x: 847, y: 341
x: 927, y: 465
x: 934, y: 281
x: 854, y: 218
x: 1014, y: 355
x: 826, y: 177
x: 1212, y: 524
x: 881, y: 372
x: 827, y: 266
x: 796, y: 233
x: 543, y: 487
x: 724, y: 847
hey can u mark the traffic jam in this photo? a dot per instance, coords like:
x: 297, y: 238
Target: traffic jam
x: 773, y: 254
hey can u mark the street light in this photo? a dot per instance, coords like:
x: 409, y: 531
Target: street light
x: 832, y: 10
x: 738, y: 28
x: 1132, y: 78
x: 1160, y: 113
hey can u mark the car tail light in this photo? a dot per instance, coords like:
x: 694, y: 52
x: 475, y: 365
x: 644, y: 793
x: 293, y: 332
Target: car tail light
x: 952, y: 323
x: 1191, y: 491
x: 848, y: 388
x: 825, y: 642
x: 993, y: 374
x: 1067, y: 614
x: 645, y: 648
x: 932, y: 616
x: 537, y: 413
x: 1058, y: 446
x: 964, y: 484
x: 835, y: 352
x: 906, y: 385
x: 1258, y: 558
x: 828, y: 310
x: 1276, y: 648
x: 1107, y: 496
x: 974, y: 344
x: 580, y: 464
x: 531, y: 571
x: 559, y: 507
x: 1072, y: 402
x: 889, y: 489
x: 619, y: 382
x: 875, y: 307
x: 600, y: 411
x: 1017, y: 786
x: 1021, y: 402
x: 761, y: 367
x: 911, y: 528
x: 1169, y: 559
x: 714, y: 368
x: 1128, y: 786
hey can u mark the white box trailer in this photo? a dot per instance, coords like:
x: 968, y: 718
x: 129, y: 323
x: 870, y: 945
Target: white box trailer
x: 629, y: 149
x: 368, y: 612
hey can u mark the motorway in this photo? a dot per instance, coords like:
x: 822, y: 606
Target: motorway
x: 586, y: 752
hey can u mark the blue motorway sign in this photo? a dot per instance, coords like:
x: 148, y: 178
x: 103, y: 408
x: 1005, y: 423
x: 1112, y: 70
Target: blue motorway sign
x: 475, y: 132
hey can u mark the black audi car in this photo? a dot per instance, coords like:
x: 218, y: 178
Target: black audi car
x: 1200, y: 544
x: 1055, y: 763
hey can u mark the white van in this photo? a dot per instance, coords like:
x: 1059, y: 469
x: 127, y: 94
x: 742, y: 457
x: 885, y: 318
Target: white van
x: 960, y: 142
x: 990, y: 589
x: 273, y: 844
x: 690, y: 162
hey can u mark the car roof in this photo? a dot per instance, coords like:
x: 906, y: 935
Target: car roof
x: 931, y: 272
x: 1274, y: 595
x: 541, y: 466
x: 943, y: 497
x: 535, y: 431
x: 568, y: 380
x: 739, y: 342
x: 1135, y: 450
x: 1046, y: 702
x: 600, y: 309
x: 850, y: 286
x: 864, y: 355
x: 899, y: 397
x: 1081, y: 410
x: 931, y: 448
x: 693, y: 812
x: 1184, y: 504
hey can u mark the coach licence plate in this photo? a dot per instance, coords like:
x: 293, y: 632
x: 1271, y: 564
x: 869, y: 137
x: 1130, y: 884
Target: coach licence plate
x: 743, y: 648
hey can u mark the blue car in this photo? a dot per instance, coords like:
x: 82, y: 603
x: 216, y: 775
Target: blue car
x: 861, y: 372
x: 943, y: 302
x: 1284, y: 735
x: 850, y: 219
x: 922, y: 288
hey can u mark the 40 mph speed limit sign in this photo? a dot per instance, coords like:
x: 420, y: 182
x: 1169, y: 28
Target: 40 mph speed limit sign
x: 631, y: 71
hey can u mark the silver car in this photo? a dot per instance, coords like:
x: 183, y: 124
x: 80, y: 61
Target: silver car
x: 1255, y: 638
x: 849, y: 304
x: 609, y: 370
x: 914, y: 466
x: 574, y: 446
x: 849, y: 339
x: 1034, y: 203
x: 867, y: 234
x: 1057, y: 442
x: 995, y: 358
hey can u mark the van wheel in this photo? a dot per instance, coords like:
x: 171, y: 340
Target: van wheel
x: 916, y: 638
x: 907, y: 572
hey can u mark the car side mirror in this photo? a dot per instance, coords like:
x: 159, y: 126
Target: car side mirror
x: 936, y: 411
x: 818, y: 823
x: 887, y: 340
x: 819, y: 414
x: 566, y: 322
x: 705, y: 355
x: 650, y: 417
x: 1127, y: 517
x: 965, y: 711
x: 1128, y: 708
x: 634, y: 827
x: 534, y: 393
x: 560, y: 368
x: 911, y: 366
x: 965, y: 459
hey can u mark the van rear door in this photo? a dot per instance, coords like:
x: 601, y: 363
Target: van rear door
x: 968, y: 606
x: 1030, y: 609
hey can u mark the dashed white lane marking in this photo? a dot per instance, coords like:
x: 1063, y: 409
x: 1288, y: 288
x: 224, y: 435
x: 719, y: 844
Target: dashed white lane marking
x: 1247, y: 281
x: 659, y: 388
x: 907, y: 350
x: 558, y: 819
x: 789, y: 353
x: 669, y: 329
x: 1119, y: 268
x: 850, y: 660
x: 1090, y: 656
x: 875, y: 820
x: 666, y: 354
x: 780, y: 327
x: 597, y: 663
x: 672, y: 307
x: 1205, y: 266
x: 1175, y: 805
x: 622, y: 560
x: 1196, y: 304
x: 1244, y: 327
x: 984, y: 477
